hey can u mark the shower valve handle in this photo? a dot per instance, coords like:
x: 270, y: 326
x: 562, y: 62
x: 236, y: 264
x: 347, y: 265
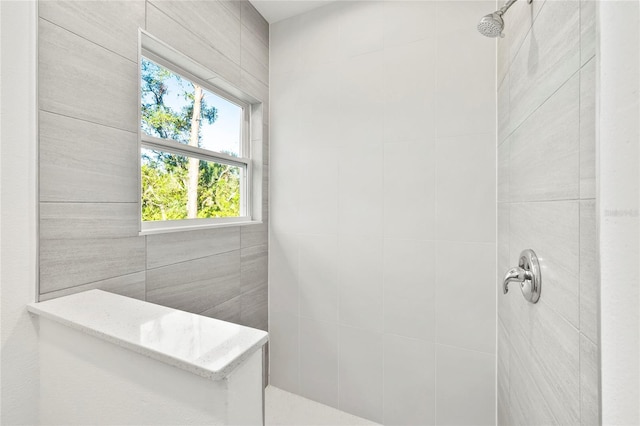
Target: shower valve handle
x: 527, y: 273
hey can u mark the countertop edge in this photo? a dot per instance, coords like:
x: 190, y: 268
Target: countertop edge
x: 33, y: 308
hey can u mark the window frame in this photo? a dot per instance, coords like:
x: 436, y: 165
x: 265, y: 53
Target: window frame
x: 245, y: 161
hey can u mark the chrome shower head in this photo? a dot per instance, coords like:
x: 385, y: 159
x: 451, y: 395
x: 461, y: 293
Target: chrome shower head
x: 491, y: 25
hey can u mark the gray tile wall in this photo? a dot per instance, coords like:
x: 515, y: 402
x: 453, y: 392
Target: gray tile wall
x: 548, y: 353
x: 89, y: 157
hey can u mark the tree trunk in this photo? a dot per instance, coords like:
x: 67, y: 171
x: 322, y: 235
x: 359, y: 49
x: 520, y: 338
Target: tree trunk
x: 194, y: 163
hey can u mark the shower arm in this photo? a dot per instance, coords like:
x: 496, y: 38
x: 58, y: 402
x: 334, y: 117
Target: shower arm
x: 507, y: 5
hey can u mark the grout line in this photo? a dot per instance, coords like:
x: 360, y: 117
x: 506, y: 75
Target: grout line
x: 195, y: 35
x: 560, y: 200
x: 91, y: 282
x: 88, y: 40
x: 589, y: 339
x: 526, y: 118
x: 461, y: 348
x: 87, y: 121
x: 191, y: 260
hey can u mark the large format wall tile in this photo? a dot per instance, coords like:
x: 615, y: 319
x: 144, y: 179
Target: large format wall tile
x: 214, y: 23
x: 587, y: 30
x: 317, y: 206
x: 551, y: 229
x: 362, y: 96
x: 163, y: 26
x: 284, y: 347
x: 465, y: 300
x: 503, y: 158
x: 360, y: 282
x: 589, y: 272
x: 503, y: 261
x: 549, y: 54
x: 359, y: 191
x: 461, y: 160
x: 467, y: 376
x: 518, y: 23
x: 131, y: 285
x: 66, y: 263
x: 166, y: 249
x: 80, y: 79
x: 409, y: 288
x: 503, y: 364
x: 357, y: 38
x: 555, y: 363
x: 589, y: 383
x: 284, y: 274
x: 86, y: 162
x: 225, y: 311
x: 361, y: 379
x: 410, y: 189
x: 110, y: 24
x: 254, y: 235
x: 588, y: 130
x: 405, y: 20
x: 504, y: 123
x: 461, y: 96
x: 318, y: 288
x: 88, y: 220
x: 527, y: 404
x: 409, y: 381
x: 540, y: 167
x: 253, y: 267
x: 196, y: 285
x: 409, y: 98
x: 255, y: 55
x: 319, y: 361
x: 252, y: 19
x: 254, y: 308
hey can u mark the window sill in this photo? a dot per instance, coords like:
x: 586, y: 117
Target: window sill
x: 159, y: 229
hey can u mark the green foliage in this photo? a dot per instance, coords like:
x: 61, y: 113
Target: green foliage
x: 164, y: 175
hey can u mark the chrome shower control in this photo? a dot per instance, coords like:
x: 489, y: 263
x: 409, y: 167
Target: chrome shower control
x: 527, y: 273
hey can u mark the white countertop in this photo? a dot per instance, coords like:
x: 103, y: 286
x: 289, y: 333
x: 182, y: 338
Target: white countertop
x: 204, y: 346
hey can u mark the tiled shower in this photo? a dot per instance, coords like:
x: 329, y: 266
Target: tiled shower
x: 406, y: 162
x: 383, y: 277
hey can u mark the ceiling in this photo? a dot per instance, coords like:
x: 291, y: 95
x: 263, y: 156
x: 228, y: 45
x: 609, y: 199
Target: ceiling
x: 277, y: 10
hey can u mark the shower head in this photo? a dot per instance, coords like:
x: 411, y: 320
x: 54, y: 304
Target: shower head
x: 491, y: 25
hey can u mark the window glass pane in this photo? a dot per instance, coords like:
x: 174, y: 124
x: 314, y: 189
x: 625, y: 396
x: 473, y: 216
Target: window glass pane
x: 168, y: 195
x: 173, y: 107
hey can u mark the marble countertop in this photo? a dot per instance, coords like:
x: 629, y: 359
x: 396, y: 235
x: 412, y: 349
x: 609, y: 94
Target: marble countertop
x: 204, y: 346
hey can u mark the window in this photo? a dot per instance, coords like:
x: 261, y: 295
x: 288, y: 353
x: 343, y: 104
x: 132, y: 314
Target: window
x: 195, y: 148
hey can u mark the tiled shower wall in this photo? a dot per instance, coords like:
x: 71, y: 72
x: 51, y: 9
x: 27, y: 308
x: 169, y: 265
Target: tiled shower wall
x: 382, y: 245
x: 89, y: 160
x: 548, y: 353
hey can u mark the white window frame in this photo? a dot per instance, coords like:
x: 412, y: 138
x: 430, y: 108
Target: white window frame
x: 162, y: 54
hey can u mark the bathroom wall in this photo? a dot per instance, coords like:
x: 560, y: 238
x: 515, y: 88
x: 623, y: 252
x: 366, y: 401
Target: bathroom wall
x: 89, y: 161
x: 382, y: 298
x: 548, y: 352
x: 19, y: 360
x: 618, y: 213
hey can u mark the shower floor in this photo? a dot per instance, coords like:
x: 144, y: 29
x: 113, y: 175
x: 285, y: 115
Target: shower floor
x: 287, y: 409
